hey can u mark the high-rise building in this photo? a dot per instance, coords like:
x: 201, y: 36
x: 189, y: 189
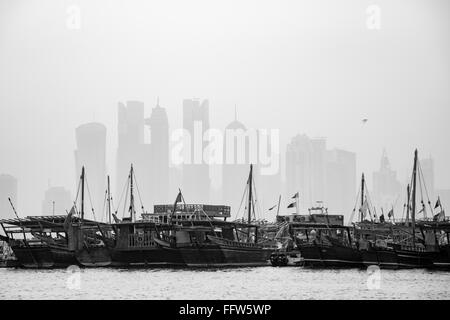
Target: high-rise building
x: 91, y: 153
x: 159, y: 146
x: 268, y: 182
x: 305, y: 170
x: 8, y: 189
x: 386, y: 187
x: 235, y: 170
x: 133, y: 150
x: 320, y: 175
x: 57, y: 200
x: 196, y: 180
x: 340, y: 182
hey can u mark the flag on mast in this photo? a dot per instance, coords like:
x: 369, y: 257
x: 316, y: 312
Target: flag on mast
x: 438, y: 203
x: 391, y: 213
x: 439, y: 216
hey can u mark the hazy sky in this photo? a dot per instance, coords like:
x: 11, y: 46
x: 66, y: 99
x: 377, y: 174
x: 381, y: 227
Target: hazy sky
x: 302, y: 66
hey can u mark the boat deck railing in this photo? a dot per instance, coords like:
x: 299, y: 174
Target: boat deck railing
x: 235, y: 243
x: 140, y: 240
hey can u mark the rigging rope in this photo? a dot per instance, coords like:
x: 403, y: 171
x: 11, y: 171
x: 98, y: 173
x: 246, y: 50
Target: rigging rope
x: 356, y: 203
x: 126, y: 198
x: 426, y: 190
x: 139, y: 193
x: 242, y: 200
x: 104, y: 206
x: 76, y: 197
x: 90, y: 199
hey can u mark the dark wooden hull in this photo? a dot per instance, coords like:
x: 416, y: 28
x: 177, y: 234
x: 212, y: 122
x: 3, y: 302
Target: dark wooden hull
x: 94, y: 257
x: 216, y: 256
x: 323, y: 255
x: 384, y: 258
x: 219, y: 253
x: 33, y: 257
x: 145, y: 257
x: 442, y: 259
x: 63, y: 257
x: 9, y: 263
x: 415, y: 259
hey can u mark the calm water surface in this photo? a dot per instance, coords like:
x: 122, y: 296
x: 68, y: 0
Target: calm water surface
x: 243, y: 283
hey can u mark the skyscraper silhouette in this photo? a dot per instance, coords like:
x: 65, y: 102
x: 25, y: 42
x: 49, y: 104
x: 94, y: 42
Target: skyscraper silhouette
x: 319, y: 174
x: 133, y: 150
x: 234, y: 174
x: 91, y: 153
x: 196, y: 181
x: 305, y: 169
x: 386, y: 187
x: 340, y: 194
x: 8, y: 189
x: 159, y: 146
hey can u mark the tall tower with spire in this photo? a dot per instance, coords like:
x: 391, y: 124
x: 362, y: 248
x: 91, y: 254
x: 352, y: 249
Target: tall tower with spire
x: 159, y: 146
x: 386, y: 187
x: 234, y: 172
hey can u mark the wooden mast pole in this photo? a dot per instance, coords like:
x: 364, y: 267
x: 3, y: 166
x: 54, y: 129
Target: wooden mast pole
x: 250, y: 179
x: 363, y: 181
x: 132, y: 213
x: 109, y: 201
x: 408, y: 198
x: 413, y: 200
x: 82, y: 193
x: 249, y: 217
x: 278, y: 209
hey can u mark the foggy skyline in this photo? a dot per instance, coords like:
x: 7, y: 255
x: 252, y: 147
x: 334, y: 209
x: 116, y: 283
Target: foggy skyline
x: 293, y: 66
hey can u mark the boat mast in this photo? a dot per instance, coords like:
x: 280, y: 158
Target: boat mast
x: 413, y: 200
x: 250, y: 178
x: 109, y: 201
x: 408, y: 195
x: 132, y: 213
x: 82, y: 193
x: 278, y: 209
x: 363, y: 181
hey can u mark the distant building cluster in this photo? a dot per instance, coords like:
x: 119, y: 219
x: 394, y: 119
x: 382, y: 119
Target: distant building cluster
x: 318, y: 174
